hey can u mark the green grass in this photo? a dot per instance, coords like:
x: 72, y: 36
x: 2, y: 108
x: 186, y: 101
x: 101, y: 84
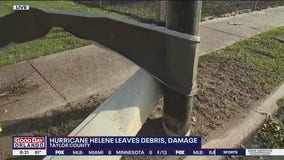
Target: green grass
x: 280, y: 102
x: 270, y: 135
x: 270, y: 71
x: 6, y: 7
x: 52, y: 43
x: 280, y: 114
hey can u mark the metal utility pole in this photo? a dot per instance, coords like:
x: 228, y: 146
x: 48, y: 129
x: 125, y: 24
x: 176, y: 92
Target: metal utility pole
x: 182, y: 16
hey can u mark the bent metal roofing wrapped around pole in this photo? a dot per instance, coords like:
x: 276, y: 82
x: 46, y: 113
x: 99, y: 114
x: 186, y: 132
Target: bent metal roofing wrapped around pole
x: 164, y: 53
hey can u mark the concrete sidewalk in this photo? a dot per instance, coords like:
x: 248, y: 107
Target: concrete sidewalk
x: 63, y: 78
x: 71, y: 76
x: 222, y: 32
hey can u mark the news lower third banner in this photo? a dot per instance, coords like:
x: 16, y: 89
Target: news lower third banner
x: 132, y: 146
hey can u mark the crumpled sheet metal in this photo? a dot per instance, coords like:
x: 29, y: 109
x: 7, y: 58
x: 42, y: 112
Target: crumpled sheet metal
x: 164, y: 53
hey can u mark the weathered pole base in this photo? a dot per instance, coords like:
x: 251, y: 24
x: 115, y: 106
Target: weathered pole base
x: 177, y: 113
x: 170, y: 133
x: 182, y: 16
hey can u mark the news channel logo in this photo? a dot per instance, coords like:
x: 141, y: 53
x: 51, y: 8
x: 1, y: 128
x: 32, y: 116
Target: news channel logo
x: 28, y: 142
x: 259, y: 152
x: 20, y: 7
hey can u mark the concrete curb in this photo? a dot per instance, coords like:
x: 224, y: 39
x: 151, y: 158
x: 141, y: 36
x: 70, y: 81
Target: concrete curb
x: 233, y: 137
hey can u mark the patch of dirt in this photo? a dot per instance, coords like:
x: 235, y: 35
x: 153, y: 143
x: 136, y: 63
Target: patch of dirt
x: 224, y: 94
x: 16, y: 89
x: 11, y: 93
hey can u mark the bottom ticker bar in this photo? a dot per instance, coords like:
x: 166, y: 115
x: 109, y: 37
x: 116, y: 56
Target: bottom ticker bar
x: 192, y: 152
x: 121, y: 152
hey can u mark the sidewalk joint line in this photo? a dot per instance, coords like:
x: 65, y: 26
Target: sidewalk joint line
x: 49, y: 83
x: 232, y: 34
